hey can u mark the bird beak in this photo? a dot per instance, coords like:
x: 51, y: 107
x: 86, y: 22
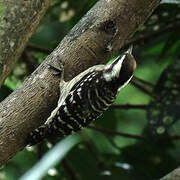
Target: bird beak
x: 129, y: 51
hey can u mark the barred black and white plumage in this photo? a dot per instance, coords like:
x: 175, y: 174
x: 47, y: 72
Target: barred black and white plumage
x: 86, y: 97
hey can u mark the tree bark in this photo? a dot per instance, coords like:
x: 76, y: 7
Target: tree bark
x: 18, y: 20
x: 95, y: 39
x: 174, y: 175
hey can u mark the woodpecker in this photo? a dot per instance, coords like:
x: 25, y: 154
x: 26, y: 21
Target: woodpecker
x: 84, y: 98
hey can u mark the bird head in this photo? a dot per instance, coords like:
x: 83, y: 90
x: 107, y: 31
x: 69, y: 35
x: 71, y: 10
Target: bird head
x: 121, y: 70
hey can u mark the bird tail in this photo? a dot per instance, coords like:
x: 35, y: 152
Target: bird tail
x: 39, y: 134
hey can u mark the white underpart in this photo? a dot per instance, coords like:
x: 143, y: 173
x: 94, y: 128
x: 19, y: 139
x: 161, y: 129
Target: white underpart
x: 64, y: 103
x: 125, y: 83
x: 60, y: 120
x: 65, y: 110
x: 79, y: 94
x: 71, y: 99
x: 108, y: 76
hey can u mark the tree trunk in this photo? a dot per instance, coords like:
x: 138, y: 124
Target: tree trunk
x: 174, y: 175
x: 94, y: 40
x: 18, y: 20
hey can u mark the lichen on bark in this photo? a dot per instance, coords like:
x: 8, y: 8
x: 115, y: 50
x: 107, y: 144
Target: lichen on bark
x: 18, y: 22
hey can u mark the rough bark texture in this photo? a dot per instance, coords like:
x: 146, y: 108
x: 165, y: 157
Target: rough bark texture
x: 96, y: 38
x: 174, y: 175
x: 18, y: 19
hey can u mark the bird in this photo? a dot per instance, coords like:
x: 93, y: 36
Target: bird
x: 84, y: 98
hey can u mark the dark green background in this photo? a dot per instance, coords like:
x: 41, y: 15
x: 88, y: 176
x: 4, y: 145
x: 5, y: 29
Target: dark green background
x: 100, y: 155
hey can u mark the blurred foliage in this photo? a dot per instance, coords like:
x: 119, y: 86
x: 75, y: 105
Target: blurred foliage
x: 164, y: 112
x: 105, y: 154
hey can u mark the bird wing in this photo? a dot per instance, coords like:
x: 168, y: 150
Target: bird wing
x: 65, y: 88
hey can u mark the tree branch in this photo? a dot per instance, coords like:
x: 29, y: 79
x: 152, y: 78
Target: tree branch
x: 116, y: 133
x: 149, y: 36
x: 36, y: 47
x: 174, y: 175
x: 70, y: 172
x: 126, y: 135
x: 108, y: 24
x: 141, y: 88
x: 130, y: 106
x: 18, y: 20
x: 29, y: 61
x: 150, y: 84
